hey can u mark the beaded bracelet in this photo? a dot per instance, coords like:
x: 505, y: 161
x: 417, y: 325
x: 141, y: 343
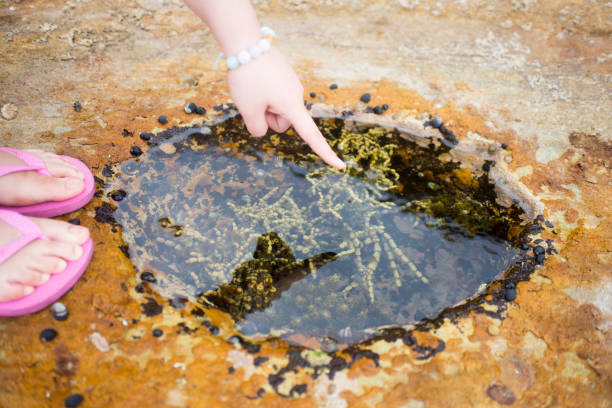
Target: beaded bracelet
x: 232, y: 62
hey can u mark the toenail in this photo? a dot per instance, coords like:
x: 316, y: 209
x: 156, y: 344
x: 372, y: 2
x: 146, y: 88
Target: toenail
x: 77, y: 251
x: 45, y: 277
x: 60, y: 266
x: 76, y: 230
x: 73, y: 184
x: 27, y: 290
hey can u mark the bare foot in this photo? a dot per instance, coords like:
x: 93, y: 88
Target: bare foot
x: 33, y: 264
x: 29, y: 187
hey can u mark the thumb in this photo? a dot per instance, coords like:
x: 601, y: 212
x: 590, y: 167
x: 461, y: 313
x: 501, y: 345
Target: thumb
x: 310, y: 133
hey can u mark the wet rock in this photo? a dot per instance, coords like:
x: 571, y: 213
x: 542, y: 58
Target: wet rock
x: 47, y: 335
x: 504, y: 146
x: 333, y: 86
x: 9, y: 111
x: 365, y: 98
x: 436, y: 122
x: 118, y: 195
x: 200, y: 110
x: 77, y: 106
x: 385, y: 106
x: 158, y: 333
x: 135, y: 151
x: 190, y: 107
x: 313, y: 95
x: 510, y: 294
x: 538, y: 250
x: 148, y: 277
x: 146, y: 136
x: 162, y: 119
x: 501, y: 394
x: 73, y: 400
x: 59, y: 311
x: 378, y: 110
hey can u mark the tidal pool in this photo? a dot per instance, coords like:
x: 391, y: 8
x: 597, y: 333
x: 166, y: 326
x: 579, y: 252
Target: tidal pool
x: 262, y: 229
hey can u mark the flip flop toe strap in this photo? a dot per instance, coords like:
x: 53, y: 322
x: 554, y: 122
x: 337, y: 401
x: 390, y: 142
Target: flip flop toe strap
x: 29, y: 233
x: 32, y: 163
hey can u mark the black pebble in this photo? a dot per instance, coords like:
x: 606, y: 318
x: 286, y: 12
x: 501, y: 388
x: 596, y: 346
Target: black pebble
x: 378, y: 110
x: 146, y: 136
x: 510, y: 285
x: 436, y: 122
x: 486, y: 167
x: 510, y: 294
x: 540, y: 258
x: 139, y: 288
x: 538, y: 250
x: 218, y: 107
x: 73, y: 400
x: 47, y: 335
x: 365, y: 98
x: 118, y: 195
x: 549, y: 224
x: 504, y: 146
x: 158, y: 332
x: 214, y: 330
x: 231, y: 370
x: 385, y: 106
x: 313, y: 95
x: 148, y: 277
x: 524, y: 247
x: 200, y: 110
x: 162, y: 119
x: 77, y: 106
x: 516, y: 201
x: 206, y: 323
x: 333, y: 86
x: 191, y: 107
x: 75, y: 221
x: 135, y: 151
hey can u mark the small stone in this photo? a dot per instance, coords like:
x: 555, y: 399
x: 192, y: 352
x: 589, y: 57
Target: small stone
x: 9, y: 111
x: 493, y: 330
x: 190, y: 107
x: 73, y: 400
x: 146, y: 136
x: 524, y: 247
x: 540, y: 258
x: 501, y: 394
x: 436, y: 122
x: 214, y: 330
x: 118, y: 195
x: 322, y: 98
x: 200, y: 110
x: 504, y: 146
x: 47, y: 335
x: 538, y: 250
x: 385, y: 106
x: 135, y: 151
x: 162, y: 119
x: 158, y: 332
x: 492, y: 148
x: 99, y: 342
x: 333, y: 86
x: 378, y: 110
x: 365, y: 98
x: 510, y: 294
x: 148, y: 277
x: 486, y: 167
x: 75, y: 221
x: 313, y: 95
x: 59, y: 311
x: 167, y: 148
x: 77, y: 106
x: 549, y: 224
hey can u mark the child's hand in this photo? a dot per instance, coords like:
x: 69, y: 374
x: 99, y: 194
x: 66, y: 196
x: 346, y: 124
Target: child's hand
x: 268, y: 93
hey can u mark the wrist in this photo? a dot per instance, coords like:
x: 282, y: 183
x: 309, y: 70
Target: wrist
x: 258, y: 46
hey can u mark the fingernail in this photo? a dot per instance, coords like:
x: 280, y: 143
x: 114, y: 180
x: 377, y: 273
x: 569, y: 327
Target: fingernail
x: 61, y: 265
x: 73, y: 184
x: 28, y: 290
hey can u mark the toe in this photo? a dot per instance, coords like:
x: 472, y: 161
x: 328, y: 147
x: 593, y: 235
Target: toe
x: 59, y: 167
x: 29, y: 277
x: 30, y: 188
x: 62, y: 231
x: 64, y: 250
x: 11, y: 291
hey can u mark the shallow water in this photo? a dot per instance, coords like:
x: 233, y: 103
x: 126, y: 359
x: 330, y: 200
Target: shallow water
x: 408, y: 242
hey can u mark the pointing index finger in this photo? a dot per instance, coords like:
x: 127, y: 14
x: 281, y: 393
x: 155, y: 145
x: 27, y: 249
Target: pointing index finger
x: 305, y: 127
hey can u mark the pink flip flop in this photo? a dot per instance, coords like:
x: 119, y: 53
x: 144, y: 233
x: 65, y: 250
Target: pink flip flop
x: 50, y: 208
x: 57, y: 285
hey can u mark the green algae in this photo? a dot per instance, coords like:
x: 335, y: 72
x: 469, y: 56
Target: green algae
x: 411, y: 234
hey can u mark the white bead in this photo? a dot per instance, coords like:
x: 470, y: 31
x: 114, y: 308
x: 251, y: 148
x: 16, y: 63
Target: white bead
x: 244, y: 57
x: 232, y: 62
x: 267, y: 31
x: 264, y: 44
x: 255, y: 51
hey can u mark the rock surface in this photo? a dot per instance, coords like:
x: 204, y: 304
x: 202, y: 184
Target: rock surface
x: 533, y: 74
